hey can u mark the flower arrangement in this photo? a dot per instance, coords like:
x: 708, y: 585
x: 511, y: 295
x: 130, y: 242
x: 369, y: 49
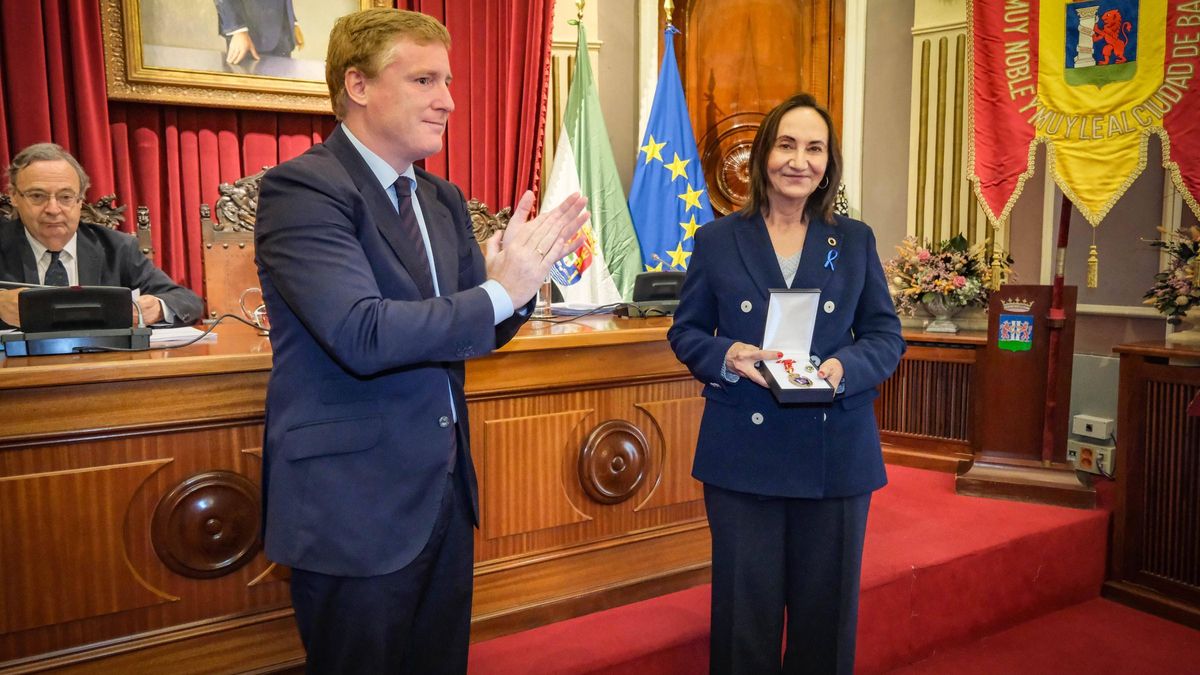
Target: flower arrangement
x: 1177, y: 289
x: 961, y: 274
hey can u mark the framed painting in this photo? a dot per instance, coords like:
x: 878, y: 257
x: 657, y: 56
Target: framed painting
x: 262, y: 54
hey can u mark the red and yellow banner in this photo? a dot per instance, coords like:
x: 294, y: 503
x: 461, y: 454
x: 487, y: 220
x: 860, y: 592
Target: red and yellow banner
x: 1092, y: 79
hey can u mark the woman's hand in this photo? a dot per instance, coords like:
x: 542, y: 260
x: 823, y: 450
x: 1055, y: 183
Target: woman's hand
x: 832, y: 371
x: 741, y: 357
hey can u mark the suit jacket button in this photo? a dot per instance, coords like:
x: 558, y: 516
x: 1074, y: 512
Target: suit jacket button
x: 757, y: 418
x: 746, y: 306
x: 443, y: 421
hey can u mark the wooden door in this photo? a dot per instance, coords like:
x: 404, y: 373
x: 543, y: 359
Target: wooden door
x: 739, y: 59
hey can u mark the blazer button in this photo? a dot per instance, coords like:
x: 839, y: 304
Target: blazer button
x: 757, y: 418
x: 746, y: 306
x: 443, y: 421
x: 829, y: 306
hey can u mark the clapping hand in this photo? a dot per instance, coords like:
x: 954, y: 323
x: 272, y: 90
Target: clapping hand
x: 520, y: 257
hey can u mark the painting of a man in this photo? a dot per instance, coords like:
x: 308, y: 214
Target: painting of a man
x: 253, y: 27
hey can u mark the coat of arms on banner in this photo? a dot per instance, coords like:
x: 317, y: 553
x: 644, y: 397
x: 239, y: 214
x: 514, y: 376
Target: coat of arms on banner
x: 1101, y: 44
x: 1092, y: 80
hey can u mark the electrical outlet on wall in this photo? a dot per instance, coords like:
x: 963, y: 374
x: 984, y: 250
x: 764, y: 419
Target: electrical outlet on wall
x: 1092, y: 456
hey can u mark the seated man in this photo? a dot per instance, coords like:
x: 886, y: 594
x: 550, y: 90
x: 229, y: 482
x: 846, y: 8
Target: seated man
x: 48, y: 245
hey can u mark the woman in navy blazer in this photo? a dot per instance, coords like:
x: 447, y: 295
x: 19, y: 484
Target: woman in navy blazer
x: 787, y: 487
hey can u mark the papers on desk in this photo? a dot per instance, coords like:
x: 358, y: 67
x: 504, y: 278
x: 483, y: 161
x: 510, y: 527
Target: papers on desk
x: 166, y: 337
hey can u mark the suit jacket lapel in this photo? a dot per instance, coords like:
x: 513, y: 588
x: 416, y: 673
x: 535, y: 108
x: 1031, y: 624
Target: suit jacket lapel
x: 440, y: 225
x: 18, y: 256
x: 382, y: 212
x: 813, y: 271
x: 89, y: 261
x: 754, y: 246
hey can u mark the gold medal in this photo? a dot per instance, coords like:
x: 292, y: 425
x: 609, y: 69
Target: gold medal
x: 800, y: 380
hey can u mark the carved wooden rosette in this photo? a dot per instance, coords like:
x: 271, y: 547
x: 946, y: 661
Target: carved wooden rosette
x: 208, y: 525
x: 725, y: 156
x: 613, y: 461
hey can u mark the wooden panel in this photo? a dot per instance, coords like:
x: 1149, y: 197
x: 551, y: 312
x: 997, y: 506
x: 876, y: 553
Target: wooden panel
x: 678, y: 423
x: 532, y: 452
x: 1155, y: 556
x: 927, y: 410
x: 931, y: 399
x: 71, y: 560
x: 1170, y: 550
x: 198, y: 412
x: 740, y: 59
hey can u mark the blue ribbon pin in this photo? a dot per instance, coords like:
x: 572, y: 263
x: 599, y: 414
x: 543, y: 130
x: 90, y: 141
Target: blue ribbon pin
x: 830, y: 257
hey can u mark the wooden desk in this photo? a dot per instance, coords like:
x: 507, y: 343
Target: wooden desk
x: 129, y: 487
x: 1155, y: 561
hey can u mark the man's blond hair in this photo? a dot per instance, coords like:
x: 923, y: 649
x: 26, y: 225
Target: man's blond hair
x: 365, y: 40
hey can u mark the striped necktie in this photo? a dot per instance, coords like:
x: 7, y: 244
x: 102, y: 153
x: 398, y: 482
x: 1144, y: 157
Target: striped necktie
x: 411, y: 231
x: 56, y: 273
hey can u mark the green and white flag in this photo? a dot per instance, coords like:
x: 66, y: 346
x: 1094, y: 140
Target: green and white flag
x: 602, y: 268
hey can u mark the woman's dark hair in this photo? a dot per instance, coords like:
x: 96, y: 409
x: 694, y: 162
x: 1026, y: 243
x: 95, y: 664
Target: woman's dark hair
x: 820, y: 202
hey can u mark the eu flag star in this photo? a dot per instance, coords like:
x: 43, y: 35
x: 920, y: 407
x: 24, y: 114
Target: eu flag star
x: 653, y: 150
x: 679, y: 256
x: 689, y: 228
x: 678, y: 167
x: 691, y: 197
x: 655, y: 268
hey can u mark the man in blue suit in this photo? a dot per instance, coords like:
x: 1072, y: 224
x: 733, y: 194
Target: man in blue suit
x: 254, y: 27
x: 377, y: 293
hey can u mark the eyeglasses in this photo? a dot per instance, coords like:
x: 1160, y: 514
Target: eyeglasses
x: 39, y: 198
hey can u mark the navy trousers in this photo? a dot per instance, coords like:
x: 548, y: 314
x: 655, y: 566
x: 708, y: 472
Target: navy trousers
x: 784, y: 561
x: 414, y: 620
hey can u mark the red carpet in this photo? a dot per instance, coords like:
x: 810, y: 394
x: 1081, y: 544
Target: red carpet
x: 1097, y: 637
x: 938, y: 570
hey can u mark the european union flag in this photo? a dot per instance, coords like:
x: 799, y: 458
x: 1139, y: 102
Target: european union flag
x: 669, y: 198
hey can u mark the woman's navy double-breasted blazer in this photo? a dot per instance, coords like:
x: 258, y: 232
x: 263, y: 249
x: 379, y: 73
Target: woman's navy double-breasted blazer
x: 749, y: 442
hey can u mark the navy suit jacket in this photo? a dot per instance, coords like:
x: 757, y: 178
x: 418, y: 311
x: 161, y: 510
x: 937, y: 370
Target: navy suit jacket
x: 106, y: 258
x: 358, y: 440
x: 749, y: 442
x: 270, y: 23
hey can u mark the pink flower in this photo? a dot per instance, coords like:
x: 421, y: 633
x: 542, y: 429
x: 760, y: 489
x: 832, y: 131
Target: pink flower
x: 960, y: 281
x: 923, y: 255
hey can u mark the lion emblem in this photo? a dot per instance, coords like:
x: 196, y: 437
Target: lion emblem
x: 1115, y: 34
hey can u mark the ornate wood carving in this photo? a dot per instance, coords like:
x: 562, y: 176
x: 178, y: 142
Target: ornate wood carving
x: 738, y: 60
x: 612, y: 462
x: 104, y: 213
x: 208, y: 525
x: 483, y: 222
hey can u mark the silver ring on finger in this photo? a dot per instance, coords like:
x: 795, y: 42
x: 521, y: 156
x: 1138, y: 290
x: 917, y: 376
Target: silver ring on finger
x: 540, y: 252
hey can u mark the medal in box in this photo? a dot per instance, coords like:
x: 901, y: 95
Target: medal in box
x: 791, y: 317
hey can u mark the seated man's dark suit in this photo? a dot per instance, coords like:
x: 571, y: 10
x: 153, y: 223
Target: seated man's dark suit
x: 105, y: 258
x: 360, y: 433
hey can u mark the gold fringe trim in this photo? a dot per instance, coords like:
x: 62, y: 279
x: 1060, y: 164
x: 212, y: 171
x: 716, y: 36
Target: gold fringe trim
x: 1093, y: 275
x: 1093, y: 218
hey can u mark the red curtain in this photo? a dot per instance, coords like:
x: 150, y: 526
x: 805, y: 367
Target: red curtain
x: 500, y: 57
x: 171, y: 158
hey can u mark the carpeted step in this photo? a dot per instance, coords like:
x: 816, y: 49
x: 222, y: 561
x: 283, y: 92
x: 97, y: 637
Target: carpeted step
x: 1097, y: 637
x: 939, y: 569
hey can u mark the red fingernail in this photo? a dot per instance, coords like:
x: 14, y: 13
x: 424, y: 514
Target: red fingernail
x: 821, y: 373
x: 779, y: 355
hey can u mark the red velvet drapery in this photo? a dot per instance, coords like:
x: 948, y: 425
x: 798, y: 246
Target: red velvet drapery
x: 171, y: 158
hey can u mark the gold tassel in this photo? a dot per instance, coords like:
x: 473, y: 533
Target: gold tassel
x: 1093, y: 279
x: 995, y: 270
